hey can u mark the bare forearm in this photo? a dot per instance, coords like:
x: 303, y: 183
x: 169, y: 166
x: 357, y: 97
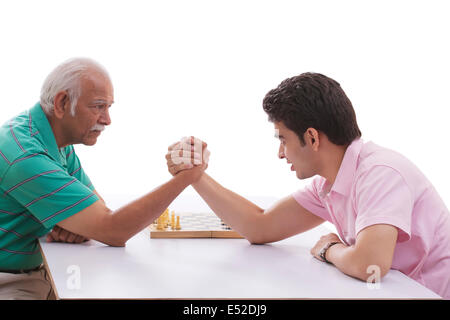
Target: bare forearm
x: 347, y: 260
x: 241, y: 214
x: 132, y: 218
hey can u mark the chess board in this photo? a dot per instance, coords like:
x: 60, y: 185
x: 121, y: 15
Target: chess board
x: 196, y: 225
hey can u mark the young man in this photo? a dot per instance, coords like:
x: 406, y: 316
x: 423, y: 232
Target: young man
x: 387, y: 214
x: 44, y: 187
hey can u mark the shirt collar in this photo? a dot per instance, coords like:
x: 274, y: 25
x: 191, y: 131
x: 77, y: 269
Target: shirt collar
x: 344, y: 179
x: 40, y: 120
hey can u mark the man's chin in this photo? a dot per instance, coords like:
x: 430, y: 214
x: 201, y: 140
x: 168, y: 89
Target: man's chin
x: 90, y: 141
x: 302, y: 176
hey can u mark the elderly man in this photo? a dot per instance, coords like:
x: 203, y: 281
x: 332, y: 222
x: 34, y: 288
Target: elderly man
x: 44, y: 187
x: 387, y: 214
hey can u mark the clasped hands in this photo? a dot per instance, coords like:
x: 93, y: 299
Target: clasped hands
x: 189, y: 156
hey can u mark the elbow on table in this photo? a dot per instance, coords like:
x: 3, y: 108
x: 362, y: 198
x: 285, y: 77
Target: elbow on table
x: 112, y: 233
x: 254, y: 240
x: 113, y: 241
x: 113, y: 237
x: 117, y: 243
x: 258, y: 233
x: 257, y: 239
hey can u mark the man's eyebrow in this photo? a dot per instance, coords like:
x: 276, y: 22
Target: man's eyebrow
x: 99, y: 101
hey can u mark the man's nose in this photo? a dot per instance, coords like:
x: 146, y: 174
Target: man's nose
x: 105, y: 118
x: 281, y: 152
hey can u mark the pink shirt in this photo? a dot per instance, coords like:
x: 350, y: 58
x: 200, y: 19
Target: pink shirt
x: 376, y: 185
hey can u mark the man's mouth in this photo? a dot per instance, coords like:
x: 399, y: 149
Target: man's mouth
x: 292, y: 166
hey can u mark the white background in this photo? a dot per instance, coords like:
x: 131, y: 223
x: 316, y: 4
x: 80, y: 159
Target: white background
x: 203, y: 67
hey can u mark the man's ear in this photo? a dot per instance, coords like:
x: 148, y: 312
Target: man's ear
x: 61, y: 104
x: 312, y: 138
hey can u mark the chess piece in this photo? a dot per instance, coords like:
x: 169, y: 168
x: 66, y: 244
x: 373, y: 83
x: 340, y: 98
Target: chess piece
x: 159, y: 225
x: 178, y: 226
x: 172, y: 221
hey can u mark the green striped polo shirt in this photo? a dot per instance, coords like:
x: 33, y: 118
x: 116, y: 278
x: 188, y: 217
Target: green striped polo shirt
x: 40, y: 185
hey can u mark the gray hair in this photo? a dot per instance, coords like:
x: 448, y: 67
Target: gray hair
x: 66, y: 77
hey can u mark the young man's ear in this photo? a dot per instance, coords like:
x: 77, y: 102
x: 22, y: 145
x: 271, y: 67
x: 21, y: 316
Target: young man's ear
x: 61, y: 104
x: 312, y: 138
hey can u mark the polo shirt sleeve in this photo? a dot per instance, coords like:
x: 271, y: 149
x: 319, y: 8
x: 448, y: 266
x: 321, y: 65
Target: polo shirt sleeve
x: 309, y: 199
x: 75, y: 169
x: 46, y: 189
x: 383, y: 197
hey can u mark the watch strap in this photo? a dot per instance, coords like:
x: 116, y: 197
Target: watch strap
x: 324, y: 250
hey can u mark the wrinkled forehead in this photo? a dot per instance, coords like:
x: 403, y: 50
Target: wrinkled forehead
x: 97, y: 88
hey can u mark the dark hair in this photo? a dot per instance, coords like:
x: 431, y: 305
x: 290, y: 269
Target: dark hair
x: 312, y: 100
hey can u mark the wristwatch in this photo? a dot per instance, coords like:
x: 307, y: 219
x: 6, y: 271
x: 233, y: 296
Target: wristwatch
x: 323, y: 252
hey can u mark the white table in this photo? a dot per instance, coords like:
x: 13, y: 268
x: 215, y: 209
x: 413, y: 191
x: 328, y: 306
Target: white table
x: 210, y: 269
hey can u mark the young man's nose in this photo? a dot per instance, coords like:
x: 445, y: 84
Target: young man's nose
x: 281, y: 152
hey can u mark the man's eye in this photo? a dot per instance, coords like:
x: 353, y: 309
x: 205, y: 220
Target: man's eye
x: 100, y: 108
